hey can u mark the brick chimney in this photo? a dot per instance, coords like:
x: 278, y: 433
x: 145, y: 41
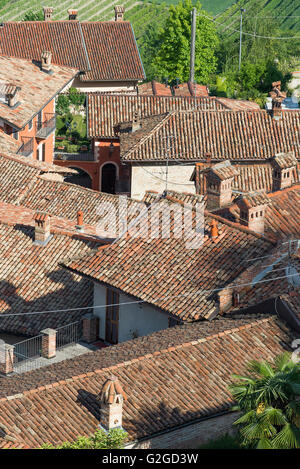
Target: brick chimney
x: 252, y: 211
x: 47, y: 13
x: 46, y: 58
x: 284, y: 165
x: 119, y: 12
x: 41, y: 228
x: 214, y: 232
x: 136, y: 124
x: 225, y: 298
x: 72, y: 14
x: 219, y: 179
x: 277, y: 97
x: 111, y: 399
x: 79, y: 226
x: 12, y: 94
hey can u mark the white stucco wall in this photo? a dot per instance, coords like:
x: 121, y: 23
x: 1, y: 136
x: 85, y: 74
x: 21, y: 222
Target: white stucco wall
x: 134, y: 320
x: 91, y: 86
x: 152, y: 177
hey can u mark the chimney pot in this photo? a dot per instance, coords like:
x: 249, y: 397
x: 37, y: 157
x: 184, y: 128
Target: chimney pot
x: 72, y: 14
x: 111, y: 399
x: 41, y: 228
x: 79, y: 225
x: 46, y: 57
x: 12, y: 95
x: 214, y: 232
x: 48, y: 13
x: 119, y: 13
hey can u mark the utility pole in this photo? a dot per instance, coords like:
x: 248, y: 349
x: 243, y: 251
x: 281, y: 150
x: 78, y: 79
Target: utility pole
x: 241, y: 29
x: 193, y: 37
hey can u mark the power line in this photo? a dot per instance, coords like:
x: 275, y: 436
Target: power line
x: 147, y: 301
x: 249, y: 34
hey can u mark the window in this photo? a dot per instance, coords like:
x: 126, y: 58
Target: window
x: 16, y: 135
x: 112, y: 316
x: 30, y: 125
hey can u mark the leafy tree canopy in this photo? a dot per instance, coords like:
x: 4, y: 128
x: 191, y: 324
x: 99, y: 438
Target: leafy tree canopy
x: 114, y: 439
x: 33, y: 16
x: 268, y: 398
x: 173, y: 55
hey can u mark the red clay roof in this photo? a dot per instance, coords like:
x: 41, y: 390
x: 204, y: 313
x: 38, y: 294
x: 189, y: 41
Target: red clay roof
x: 232, y: 135
x: 173, y: 386
x: 37, y: 88
x: 253, y: 176
x: 154, y: 88
x: 188, y: 89
x: 105, y: 111
x: 168, y: 274
x: 105, y: 50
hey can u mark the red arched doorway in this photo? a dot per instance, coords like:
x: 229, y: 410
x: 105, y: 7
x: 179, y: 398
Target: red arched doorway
x: 108, y: 178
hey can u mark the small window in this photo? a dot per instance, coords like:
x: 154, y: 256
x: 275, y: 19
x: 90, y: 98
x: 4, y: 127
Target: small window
x: 30, y: 125
x: 16, y: 135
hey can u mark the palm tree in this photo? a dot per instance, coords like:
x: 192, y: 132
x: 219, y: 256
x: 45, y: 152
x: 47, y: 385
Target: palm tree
x: 269, y: 400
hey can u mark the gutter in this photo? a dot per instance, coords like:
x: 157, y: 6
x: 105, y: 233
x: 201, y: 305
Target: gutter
x: 138, y: 52
x: 84, y: 47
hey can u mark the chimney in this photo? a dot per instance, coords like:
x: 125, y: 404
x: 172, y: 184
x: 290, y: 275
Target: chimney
x: 214, y: 232
x: 219, y: 179
x: 284, y: 165
x: 41, y: 228
x: 119, y: 13
x: 48, y: 13
x: 252, y: 211
x: 11, y: 94
x: 225, y: 300
x: 136, y: 124
x: 72, y: 14
x: 277, y: 97
x: 46, y: 57
x: 111, y: 399
x: 79, y: 226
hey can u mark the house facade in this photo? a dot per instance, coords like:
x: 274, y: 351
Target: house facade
x: 27, y: 105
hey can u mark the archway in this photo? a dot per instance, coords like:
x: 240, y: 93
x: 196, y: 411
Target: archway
x: 81, y: 179
x: 108, y: 178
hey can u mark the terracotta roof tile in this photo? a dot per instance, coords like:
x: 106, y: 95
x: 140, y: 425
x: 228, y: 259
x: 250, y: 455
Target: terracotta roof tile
x: 230, y: 135
x: 37, y: 88
x: 163, y: 386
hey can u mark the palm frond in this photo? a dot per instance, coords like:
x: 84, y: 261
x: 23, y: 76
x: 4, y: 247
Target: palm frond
x: 287, y: 438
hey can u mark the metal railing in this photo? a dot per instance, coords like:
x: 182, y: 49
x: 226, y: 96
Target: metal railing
x: 82, y: 156
x: 43, y: 129
x: 69, y: 334
x: 26, y: 354
x: 26, y: 149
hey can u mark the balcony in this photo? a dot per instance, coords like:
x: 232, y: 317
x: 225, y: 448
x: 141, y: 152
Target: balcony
x: 43, y: 129
x: 26, y: 149
x: 82, y: 156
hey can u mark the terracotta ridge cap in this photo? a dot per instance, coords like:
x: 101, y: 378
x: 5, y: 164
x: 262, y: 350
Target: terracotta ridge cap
x: 285, y: 190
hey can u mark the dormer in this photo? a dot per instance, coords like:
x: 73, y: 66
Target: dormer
x: 219, y: 179
x: 284, y: 165
x: 253, y: 210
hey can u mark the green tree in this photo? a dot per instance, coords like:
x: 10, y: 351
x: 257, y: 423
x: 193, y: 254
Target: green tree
x: 114, y: 439
x: 33, y: 16
x: 173, y: 56
x: 269, y: 401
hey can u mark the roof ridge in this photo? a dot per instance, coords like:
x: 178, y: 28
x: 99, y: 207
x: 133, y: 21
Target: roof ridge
x: 172, y: 348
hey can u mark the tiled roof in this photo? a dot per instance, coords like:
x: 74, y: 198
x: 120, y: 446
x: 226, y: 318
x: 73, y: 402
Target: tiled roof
x: 238, y: 105
x: 174, y: 386
x: 8, y: 144
x: 185, y: 197
x: 37, y: 88
x: 285, y: 160
x: 32, y: 279
x: 106, y: 111
x: 188, y: 89
x: 224, y: 170
x: 64, y: 200
x: 72, y: 44
x: 232, y: 135
x: 20, y: 174
x: 252, y: 176
x: 282, y: 217
x: 154, y: 88
x: 167, y: 273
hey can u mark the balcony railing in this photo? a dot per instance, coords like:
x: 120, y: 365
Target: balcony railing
x: 82, y: 156
x: 43, y: 129
x: 26, y: 149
